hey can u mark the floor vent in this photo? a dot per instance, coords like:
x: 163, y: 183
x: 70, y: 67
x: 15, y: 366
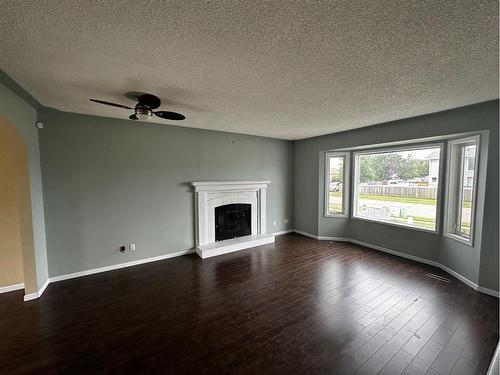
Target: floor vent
x: 437, y: 277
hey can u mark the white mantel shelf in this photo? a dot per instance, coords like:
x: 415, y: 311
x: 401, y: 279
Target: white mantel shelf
x: 229, y: 185
x: 212, y: 194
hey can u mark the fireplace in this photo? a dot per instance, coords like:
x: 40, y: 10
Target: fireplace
x: 229, y: 216
x: 233, y: 220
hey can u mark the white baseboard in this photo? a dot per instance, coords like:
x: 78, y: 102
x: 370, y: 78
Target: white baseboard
x: 463, y: 279
x: 11, y: 288
x: 118, y: 266
x: 30, y: 296
x: 306, y: 234
x: 281, y: 232
x: 328, y: 238
x: 394, y: 252
x: 133, y: 263
x: 491, y: 292
x: 322, y: 238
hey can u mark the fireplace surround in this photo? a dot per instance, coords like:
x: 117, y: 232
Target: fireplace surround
x: 210, y: 196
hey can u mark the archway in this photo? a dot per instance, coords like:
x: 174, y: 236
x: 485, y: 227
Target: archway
x: 17, y: 261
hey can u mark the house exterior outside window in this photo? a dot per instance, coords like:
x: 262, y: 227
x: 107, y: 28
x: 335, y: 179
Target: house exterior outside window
x: 433, y: 177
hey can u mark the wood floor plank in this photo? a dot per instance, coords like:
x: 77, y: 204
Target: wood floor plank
x: 446, y: 330
x: 419, y: 339
x: 380, y: 310
x: 396, y: 364
x: 463, y: 366
x: 445, y: 361
x: 423, y: 360
x: 363, y: 354
x: 402, y: 319
x: 380, y: 358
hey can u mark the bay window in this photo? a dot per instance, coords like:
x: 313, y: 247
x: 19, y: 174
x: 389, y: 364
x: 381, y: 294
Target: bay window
x: 401, y: 185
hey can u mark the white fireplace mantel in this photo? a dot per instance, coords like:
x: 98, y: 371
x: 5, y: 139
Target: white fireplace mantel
x: 229, y: 185
x: 212, y: 194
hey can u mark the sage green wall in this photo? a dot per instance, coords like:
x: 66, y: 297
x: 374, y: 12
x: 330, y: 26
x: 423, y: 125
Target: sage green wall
x: 109, y: 182
x: 479, y: 265
x: 23, y: 114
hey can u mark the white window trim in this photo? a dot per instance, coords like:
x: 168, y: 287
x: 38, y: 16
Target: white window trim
x: 449, y: 213
x: 346, y: 187
x: 408, y: 147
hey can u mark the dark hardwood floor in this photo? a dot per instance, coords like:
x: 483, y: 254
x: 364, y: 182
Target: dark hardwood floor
x: 300, y: 306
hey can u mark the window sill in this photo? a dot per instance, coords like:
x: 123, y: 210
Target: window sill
x: 336, y: 216
x: 431, y: 231
x: 460, y: 239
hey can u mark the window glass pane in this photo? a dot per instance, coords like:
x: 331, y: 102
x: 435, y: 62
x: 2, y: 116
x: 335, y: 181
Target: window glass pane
x: 467, y: 187
x: 335, y: 185
x: 399, y: 187
x: 470, y: 162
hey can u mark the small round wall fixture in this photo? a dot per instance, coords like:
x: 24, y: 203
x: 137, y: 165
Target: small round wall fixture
x: 39, y: 125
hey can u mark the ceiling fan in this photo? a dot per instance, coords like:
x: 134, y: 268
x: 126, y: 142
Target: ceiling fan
x: 143, y: 110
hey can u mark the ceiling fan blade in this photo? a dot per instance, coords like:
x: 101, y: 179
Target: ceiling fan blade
x: 169, y: 115
x: 149, y: 101
x: 109, y: 103
x: 133, y: 117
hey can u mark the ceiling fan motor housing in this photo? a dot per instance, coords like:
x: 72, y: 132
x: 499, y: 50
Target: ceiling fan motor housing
x: 142, y: 113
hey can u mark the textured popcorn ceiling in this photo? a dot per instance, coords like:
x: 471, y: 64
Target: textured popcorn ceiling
x: 285, y: 69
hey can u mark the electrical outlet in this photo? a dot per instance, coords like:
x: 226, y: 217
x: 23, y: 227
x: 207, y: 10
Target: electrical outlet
x: 274, y: 222
x: 285, y: 221
x: 122, y: 249
x: 132, y: 247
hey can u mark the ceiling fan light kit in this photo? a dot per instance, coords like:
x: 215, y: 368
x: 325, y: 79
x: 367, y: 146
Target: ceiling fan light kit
x: 142, y: 114
x: 143, y: 110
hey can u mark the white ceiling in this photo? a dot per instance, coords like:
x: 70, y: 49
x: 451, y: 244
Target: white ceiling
x: 285, y: 69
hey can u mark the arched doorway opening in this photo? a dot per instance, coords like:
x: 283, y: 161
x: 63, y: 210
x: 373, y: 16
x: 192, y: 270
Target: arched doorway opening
x: 17, y: 261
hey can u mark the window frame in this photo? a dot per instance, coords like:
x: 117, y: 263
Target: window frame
x: 406, y: 147
x: 454, y: 185
x: 346, y: 186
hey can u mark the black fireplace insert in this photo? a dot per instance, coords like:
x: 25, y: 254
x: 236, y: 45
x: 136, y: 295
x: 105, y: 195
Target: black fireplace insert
x: 233, y: 220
